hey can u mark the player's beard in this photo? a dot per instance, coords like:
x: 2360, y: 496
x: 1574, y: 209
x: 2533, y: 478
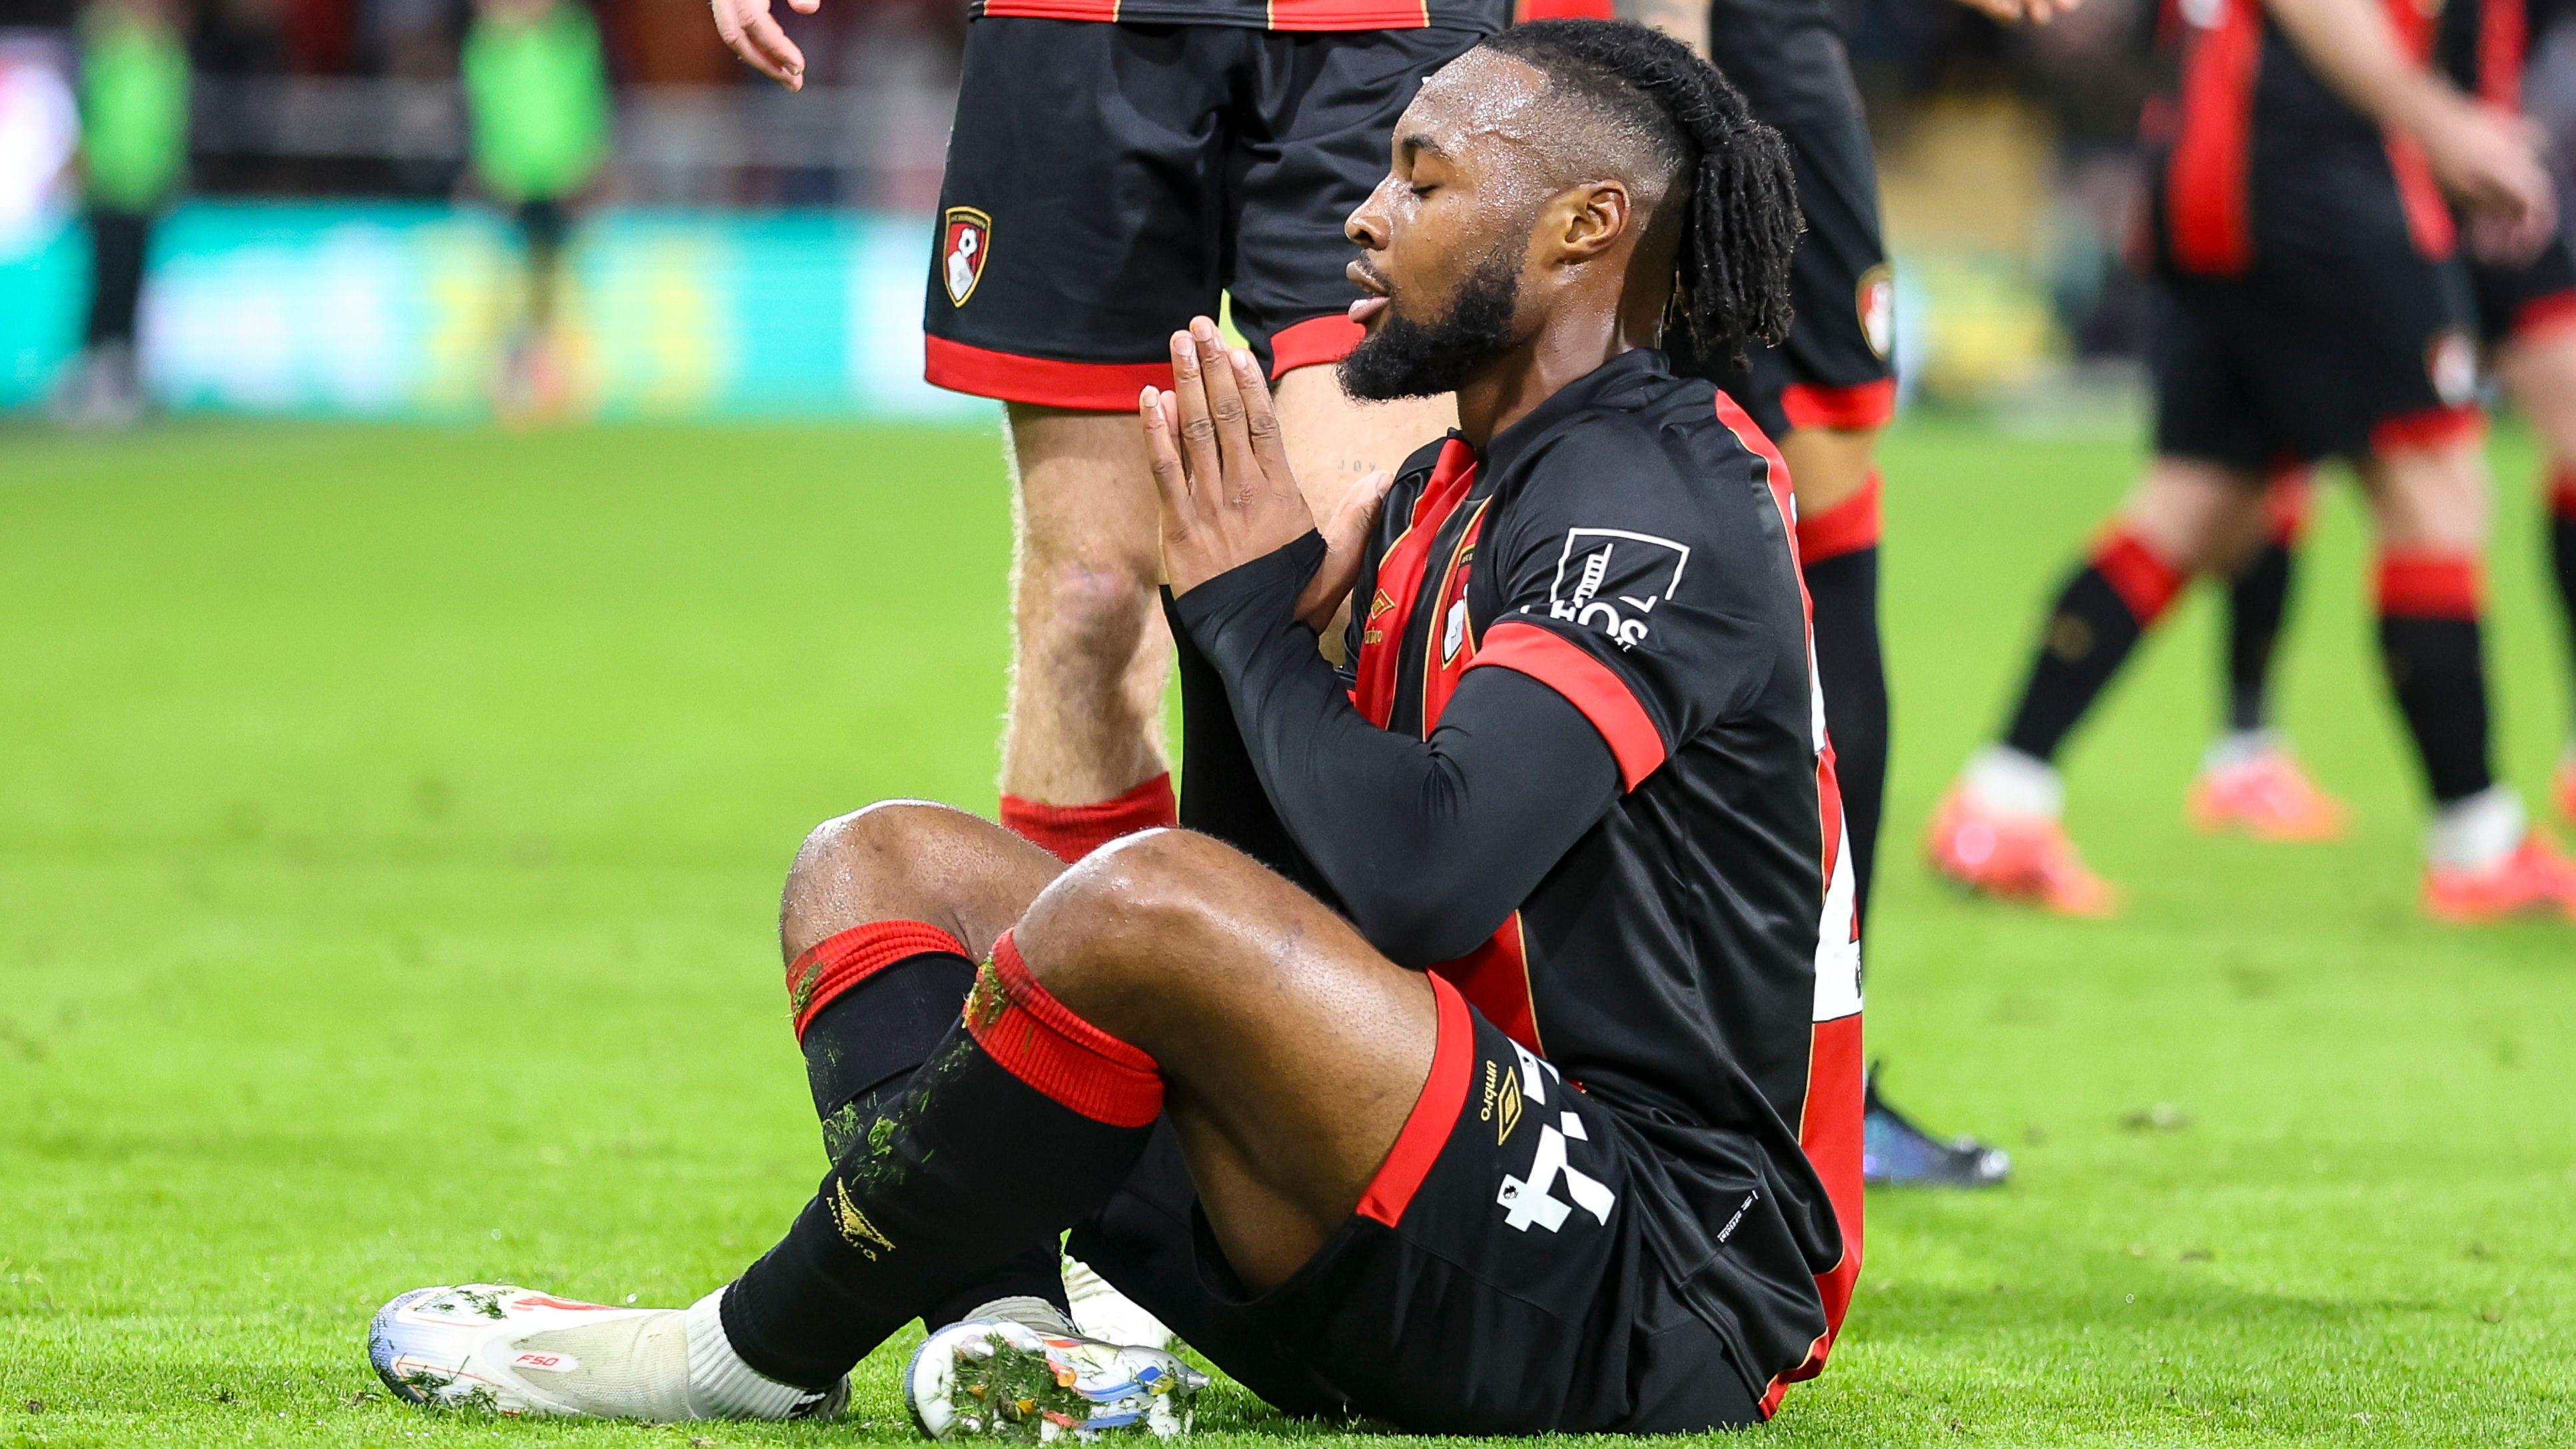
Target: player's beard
x: 1405, y: 358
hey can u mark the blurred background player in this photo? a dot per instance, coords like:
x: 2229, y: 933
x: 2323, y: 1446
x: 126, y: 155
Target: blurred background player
x: 2312, y: 306
x: 536, y: 95
x: 1113, y: 170
x: 2526, y: 313
x: 133, y: 158
x: 1825, y: 394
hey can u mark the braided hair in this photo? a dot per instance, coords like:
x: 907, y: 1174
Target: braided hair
x: 1731, y: 284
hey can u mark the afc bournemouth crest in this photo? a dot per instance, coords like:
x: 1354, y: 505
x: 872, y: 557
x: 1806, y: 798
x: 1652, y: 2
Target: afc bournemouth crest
x: 2451, y: 362
x: 1875, y: 299
x: 965, y: 240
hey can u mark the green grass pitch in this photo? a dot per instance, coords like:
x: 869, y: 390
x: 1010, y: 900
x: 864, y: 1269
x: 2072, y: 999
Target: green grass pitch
x: 390, y: 824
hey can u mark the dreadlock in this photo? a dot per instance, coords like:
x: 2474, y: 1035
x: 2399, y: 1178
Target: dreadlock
x: 1731, y: 286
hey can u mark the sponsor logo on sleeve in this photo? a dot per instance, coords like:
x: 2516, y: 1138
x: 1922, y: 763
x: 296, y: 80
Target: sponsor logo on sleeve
x: 1579, y: 593
x: 966, y: 239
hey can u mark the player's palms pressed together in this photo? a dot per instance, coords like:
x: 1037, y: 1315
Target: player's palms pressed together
x: 1221, y: 473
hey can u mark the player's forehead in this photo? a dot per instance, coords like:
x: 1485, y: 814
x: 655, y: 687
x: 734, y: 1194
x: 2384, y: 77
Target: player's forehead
x: 1480, y: 102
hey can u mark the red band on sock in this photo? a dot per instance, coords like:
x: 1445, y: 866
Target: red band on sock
x: 2431, y: 429
x: 836, y: 963
x: 2430, y: 585
x: 1039, y: 1040
x: 1847, y: 527
x: 2562, y: 493
x: 1071, y: 832
x: 2287, y: 503
x: 2144, y: 582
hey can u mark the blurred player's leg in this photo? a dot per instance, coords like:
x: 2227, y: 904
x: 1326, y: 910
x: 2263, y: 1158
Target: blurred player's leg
x: 1334, y: 442
x: 2482, y: 858
x: 1998, y: 831
x: 2250, y: 780
x: 2538, y: 366
x: 1082, y: 753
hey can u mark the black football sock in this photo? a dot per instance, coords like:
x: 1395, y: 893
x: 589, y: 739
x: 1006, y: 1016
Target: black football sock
x: 2429, y: 639
x: 1839, y: 549
x: 2562, y: 551
x: 1023, y: 1121
x: 2098, y: 618
x: 2258, y: 601
x: 871, y: 1003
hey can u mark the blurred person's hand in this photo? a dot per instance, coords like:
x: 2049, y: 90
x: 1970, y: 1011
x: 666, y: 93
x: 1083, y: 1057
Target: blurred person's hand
x: 2020, y: 12
x: 2490, y: 162
x: 749, y: 32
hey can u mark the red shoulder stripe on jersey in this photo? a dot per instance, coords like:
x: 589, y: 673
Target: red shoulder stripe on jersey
x: 1861, y: 405
x: 1434, y: 1116
x: 1100, y: 387
x: 1314, y: 342
x: 1566, y: 10
x: 1587, y: 684
x: 2205, y: 181
x: 822, y: 972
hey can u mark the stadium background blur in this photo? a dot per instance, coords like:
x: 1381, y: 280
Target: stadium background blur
x: 751, y: 252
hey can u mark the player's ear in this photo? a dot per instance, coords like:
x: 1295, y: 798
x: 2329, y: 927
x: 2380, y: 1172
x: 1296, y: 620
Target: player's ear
x: 1594, y: 216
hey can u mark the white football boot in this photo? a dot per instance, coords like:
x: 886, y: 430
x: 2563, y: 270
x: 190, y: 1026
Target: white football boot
x: 510, y: 1350
x: 1016, y: 1369
x: 1101, y: 1311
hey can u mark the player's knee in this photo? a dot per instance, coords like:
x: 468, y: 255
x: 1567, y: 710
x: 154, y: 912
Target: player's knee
x: 1087, y: 609
x: 1121, y: 936
x: 894, y: 859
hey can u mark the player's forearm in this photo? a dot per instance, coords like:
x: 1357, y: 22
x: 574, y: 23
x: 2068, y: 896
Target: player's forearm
x: 1429, y: 845
x: 1683, y: 20
x: 2354, y: 48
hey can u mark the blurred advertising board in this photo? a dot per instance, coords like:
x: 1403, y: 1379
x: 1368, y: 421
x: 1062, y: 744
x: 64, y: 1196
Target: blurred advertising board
x: 394, y: 309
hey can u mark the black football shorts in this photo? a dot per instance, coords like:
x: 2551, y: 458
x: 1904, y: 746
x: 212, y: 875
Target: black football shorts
x: 1834, y: 371
x: 1106, y: 182
x: 2344, y: 338
x: 1496, y: 1278
x: 2518, y: 302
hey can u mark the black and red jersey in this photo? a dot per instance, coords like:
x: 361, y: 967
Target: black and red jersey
x: 1481, y: 16
x: 2263, y: 154
x: 2483, y: 45
x: 1576, y: 764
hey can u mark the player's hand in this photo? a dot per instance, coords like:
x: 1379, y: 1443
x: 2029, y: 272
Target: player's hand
x: 2490, y: 163
x: 749, y: 32
x: 1220, y: 468
x: 2021, y: 12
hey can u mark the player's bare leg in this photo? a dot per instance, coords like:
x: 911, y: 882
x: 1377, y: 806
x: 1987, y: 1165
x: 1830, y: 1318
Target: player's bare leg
x: 1082, y: 752
x: 1998, y: 831
x: 2482, y: 858
x: 2539, y: 370
x: 1165, y: 976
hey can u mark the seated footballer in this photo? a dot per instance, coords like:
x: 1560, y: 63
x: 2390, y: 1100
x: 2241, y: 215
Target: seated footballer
x: 1485, y: 1056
